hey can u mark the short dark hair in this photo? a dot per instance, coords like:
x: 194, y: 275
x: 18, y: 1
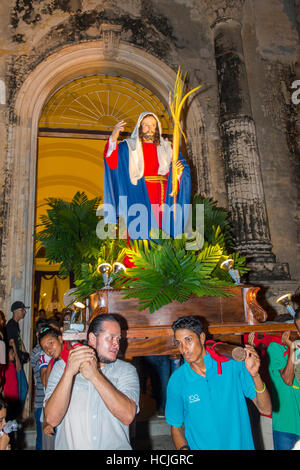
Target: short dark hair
x: 48, y: 331
x: 2, y: 315
x: 41, y: 322
x: 54, y: 324
x: 3, y: 404
x: 188, y: 323
x: 96, y: 326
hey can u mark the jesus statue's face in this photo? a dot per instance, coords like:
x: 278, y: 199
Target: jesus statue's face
x: 148, y: 126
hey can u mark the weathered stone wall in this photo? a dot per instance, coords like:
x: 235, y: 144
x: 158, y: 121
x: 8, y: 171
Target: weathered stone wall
x: 177, y: 32
x: 271, y: 45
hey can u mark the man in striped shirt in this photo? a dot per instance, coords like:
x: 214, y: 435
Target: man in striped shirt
x: 39, y: 360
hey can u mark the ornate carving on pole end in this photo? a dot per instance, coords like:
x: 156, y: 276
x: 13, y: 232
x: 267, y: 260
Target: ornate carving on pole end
x: 255, y: 313
x: 110, y: 34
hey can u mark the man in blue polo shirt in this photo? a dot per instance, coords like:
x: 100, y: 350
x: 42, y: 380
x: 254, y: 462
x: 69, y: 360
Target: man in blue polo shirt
x: 206, y: 407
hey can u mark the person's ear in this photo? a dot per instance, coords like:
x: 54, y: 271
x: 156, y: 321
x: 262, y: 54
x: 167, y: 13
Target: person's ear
x: 92, y: 340
x: 202, y: 338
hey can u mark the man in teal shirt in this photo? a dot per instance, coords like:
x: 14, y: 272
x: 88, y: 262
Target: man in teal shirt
x: 285, y: 393
x: 297, y: 349
x: 207, y: 409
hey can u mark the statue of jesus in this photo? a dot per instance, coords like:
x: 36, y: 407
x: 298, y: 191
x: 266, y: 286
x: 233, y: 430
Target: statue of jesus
x: 140, y: 168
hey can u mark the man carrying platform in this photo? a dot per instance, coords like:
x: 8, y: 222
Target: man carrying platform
x: 283, y: 363
x: 206, y: 407
x: 95, y: 396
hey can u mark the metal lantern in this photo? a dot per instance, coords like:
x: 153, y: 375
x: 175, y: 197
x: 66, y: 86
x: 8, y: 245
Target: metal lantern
x: 228, y: 266
x: 286, y: 301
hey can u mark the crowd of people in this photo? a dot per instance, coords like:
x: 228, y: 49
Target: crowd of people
x: 13, y: 380
x: 87, y: 398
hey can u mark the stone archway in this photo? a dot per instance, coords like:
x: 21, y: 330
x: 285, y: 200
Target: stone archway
x: 63, y: 66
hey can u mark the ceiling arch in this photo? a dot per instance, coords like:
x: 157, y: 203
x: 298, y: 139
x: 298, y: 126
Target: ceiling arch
x: 98, y: 102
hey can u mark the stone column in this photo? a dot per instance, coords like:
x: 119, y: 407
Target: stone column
x: 242, y: 162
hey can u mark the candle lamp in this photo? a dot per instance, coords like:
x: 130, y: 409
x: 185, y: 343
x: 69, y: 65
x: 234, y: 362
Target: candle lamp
x: 228, y: 265
x: 286, y: 301
x: 105, y: 269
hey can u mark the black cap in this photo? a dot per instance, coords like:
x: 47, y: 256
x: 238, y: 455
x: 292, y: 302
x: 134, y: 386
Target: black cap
x: 17, y: 305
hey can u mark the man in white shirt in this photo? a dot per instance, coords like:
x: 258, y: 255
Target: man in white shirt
x: 93, y: 399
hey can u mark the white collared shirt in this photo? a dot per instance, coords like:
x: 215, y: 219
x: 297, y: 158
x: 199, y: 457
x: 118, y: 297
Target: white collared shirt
x: 88, y: 424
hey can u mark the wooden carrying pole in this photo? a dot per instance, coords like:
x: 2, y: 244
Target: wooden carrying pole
x: 284, y: 334
x: 230, y: 351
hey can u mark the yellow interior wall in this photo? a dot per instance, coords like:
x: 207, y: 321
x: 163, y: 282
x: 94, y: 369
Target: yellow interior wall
x: 67, y: 165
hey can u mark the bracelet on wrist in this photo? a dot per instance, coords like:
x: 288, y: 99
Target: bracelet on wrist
x: 185, y: 447
x: 261, y: 391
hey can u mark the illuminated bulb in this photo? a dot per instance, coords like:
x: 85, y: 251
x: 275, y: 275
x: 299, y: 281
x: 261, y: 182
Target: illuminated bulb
x: 118, y: 267
x: 79, y: 304
x: 227, y: 265
x: 105, y: 269
x: 286, y: 301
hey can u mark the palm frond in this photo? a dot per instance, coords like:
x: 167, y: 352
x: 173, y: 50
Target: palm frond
x: 167, y: 271
x: 164, y: 270
x: 68, y: 232
x: 217, y: 228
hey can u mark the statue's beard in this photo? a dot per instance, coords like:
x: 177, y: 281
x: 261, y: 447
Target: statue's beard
x: 147, y: 137
x: 153, y: 137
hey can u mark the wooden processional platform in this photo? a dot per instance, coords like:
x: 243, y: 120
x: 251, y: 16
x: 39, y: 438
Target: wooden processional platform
x: 225, y: 319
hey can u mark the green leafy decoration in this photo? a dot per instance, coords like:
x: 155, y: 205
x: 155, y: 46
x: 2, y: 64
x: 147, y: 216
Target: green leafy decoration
x: 89, y: 282
x: 111, y: 251
x: 69, y: 232
x: 166, y: 271
x: 217, y: 228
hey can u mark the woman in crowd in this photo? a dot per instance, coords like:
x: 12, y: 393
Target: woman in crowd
x: 2, y: 338
x: 4, y: 438
x: 54, y: 348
